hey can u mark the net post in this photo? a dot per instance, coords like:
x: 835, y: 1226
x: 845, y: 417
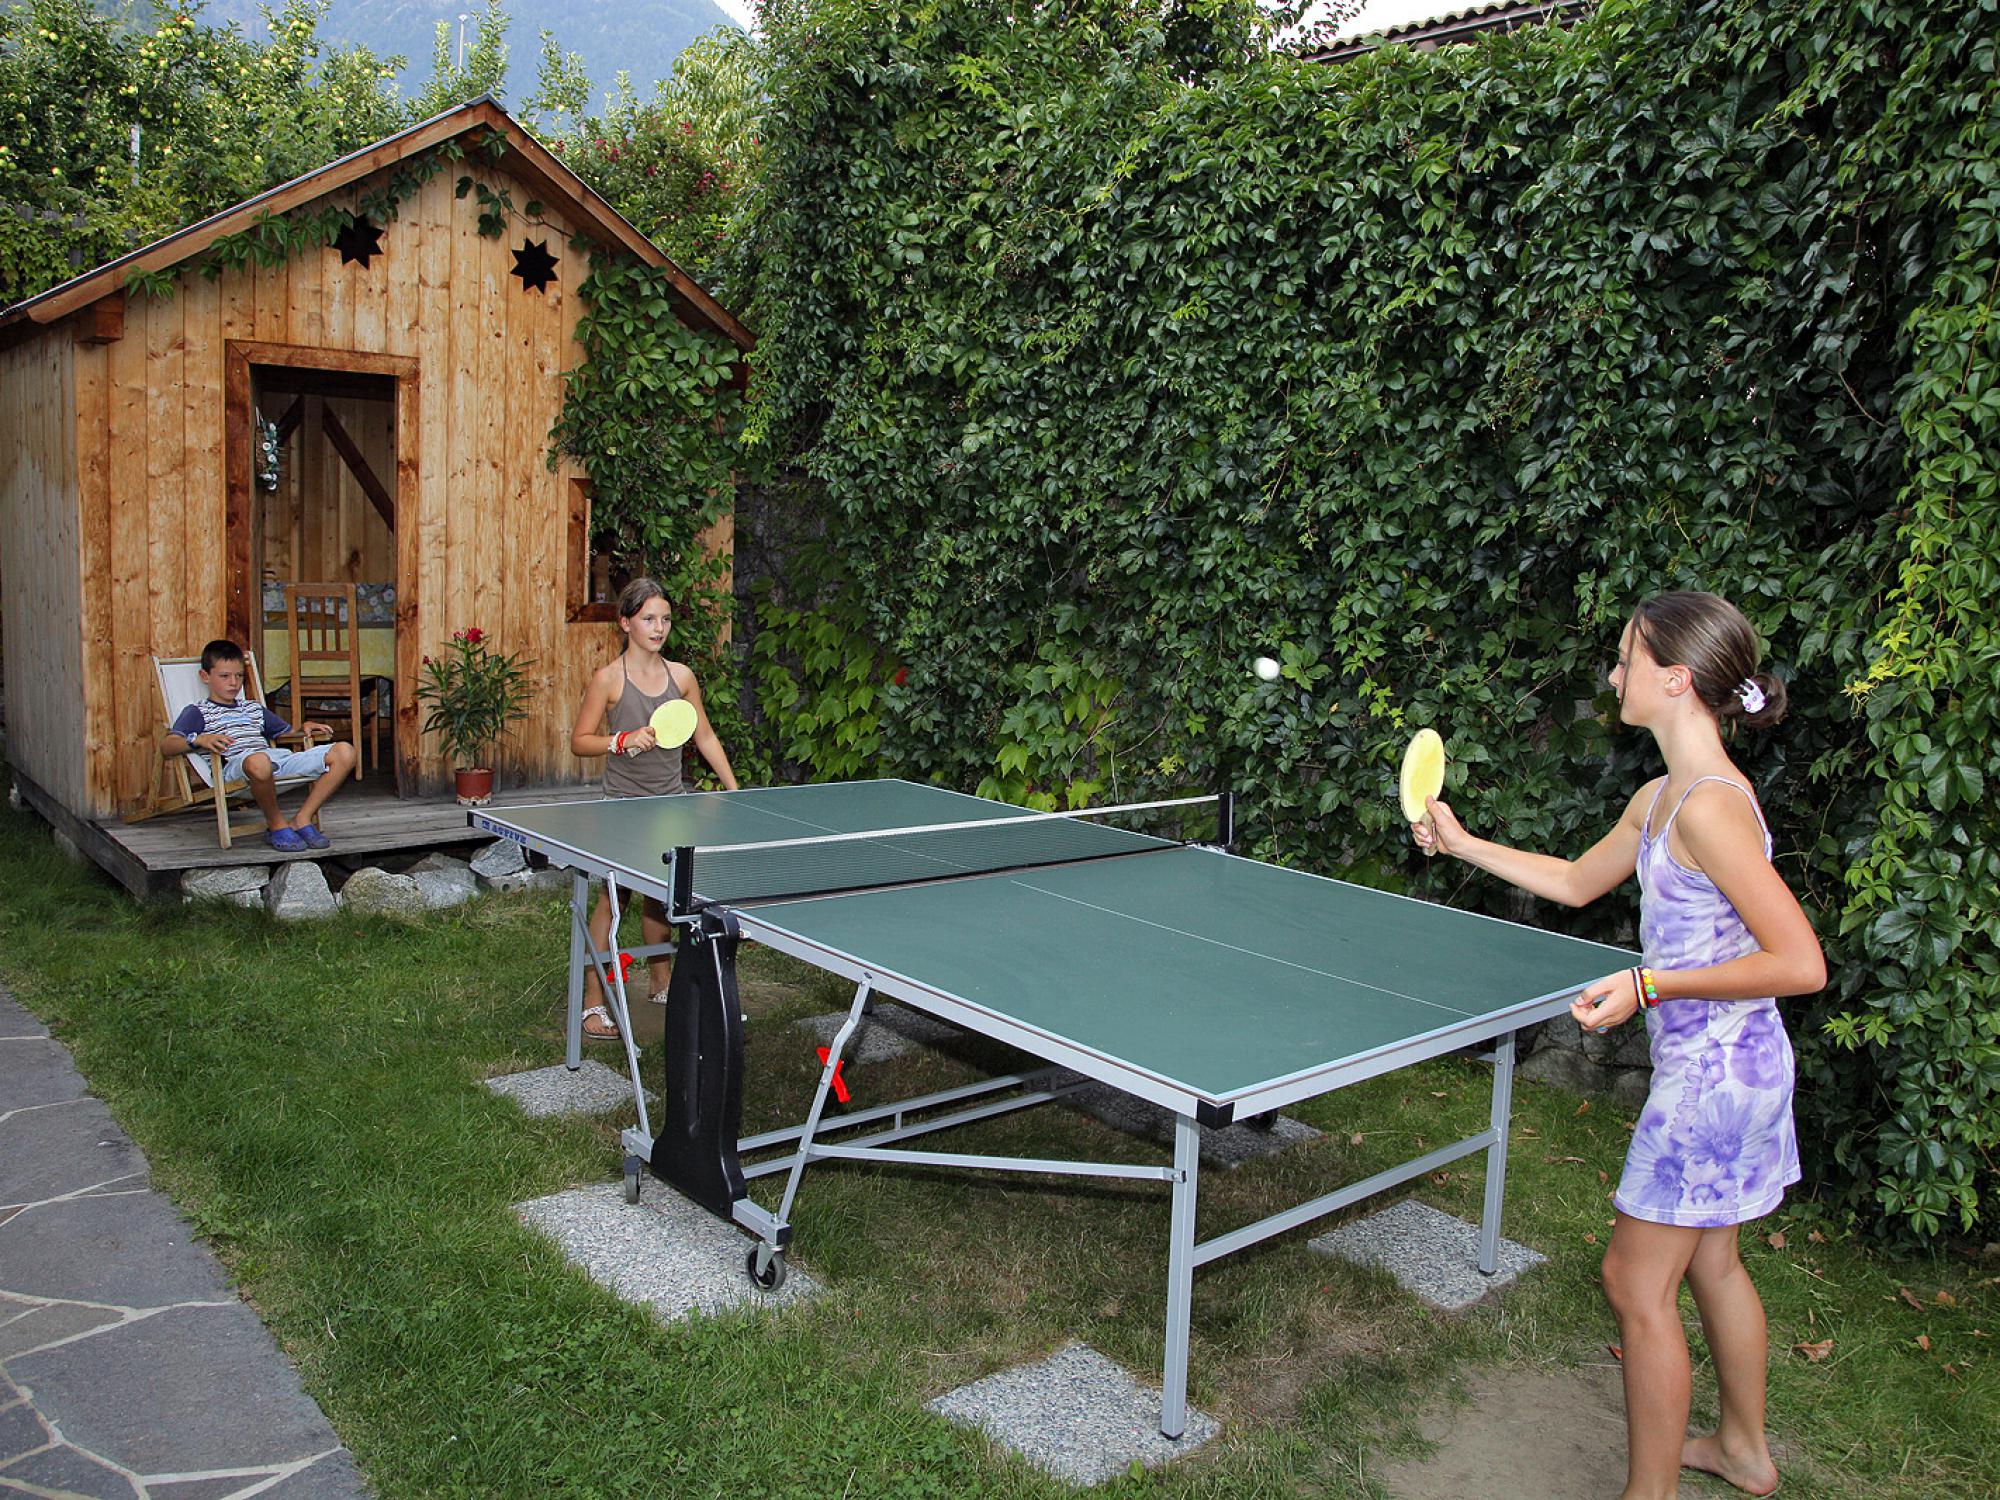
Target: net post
x: 682, y: 860
x: 1225, y: 819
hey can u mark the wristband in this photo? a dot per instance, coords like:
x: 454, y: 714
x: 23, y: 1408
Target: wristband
x: 618, y: 743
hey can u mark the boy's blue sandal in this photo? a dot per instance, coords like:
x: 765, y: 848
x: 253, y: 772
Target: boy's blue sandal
x: 313, y: 837
x: 285, y: 840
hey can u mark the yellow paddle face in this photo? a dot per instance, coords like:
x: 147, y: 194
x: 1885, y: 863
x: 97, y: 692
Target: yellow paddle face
x: 1423, y: 774
x: 673, y: 723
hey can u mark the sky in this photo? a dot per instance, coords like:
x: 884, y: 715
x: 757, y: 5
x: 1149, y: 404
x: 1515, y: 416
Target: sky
x: 738, y: 11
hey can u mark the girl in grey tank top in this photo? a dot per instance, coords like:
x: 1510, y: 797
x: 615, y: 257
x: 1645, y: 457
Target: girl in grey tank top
x: 645, y: 618
x: 650, y: 773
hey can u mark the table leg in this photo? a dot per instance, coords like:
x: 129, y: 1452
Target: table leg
x: 1496, y: 1154
x: 1180, y: 1276
x: 855, y: 1012
x: 612, y: 978
x: 579, y: 927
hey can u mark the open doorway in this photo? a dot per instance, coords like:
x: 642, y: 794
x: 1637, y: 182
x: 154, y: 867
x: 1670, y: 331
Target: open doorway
x: 321, y: 453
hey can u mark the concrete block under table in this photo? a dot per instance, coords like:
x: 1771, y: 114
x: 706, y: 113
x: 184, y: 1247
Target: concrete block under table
x: 1075, y: 1415
x: 1429, y: 1251
x: 888, y: 1031
x: 1227, y: 1146
x: 662, y: 1252
x: 592, y: 1089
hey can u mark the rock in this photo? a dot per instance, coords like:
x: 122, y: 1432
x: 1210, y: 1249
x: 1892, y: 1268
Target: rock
x: 1565, y: 1069
x: 66, y: 846
x: 374, y: 890
x: 1531, y: 1039
x: 1622, y: 1047
x: 501, y: 857
x: 298, y: 890
x: 1560, y: 1035
x: 239, y: 885
x: 14, y: 795
x: 1630, y: 1088
x: 443, y: 881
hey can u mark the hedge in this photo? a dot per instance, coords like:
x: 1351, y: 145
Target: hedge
x: 1119, y: 351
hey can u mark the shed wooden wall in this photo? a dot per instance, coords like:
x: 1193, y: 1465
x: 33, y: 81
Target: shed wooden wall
x: 40, y: 584
x: 489, y: 516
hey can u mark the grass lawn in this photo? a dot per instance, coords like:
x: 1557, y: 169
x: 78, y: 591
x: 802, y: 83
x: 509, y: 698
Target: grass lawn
x: 311, y: 1097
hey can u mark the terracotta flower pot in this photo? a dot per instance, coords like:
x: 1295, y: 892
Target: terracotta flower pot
x: 474, y: 786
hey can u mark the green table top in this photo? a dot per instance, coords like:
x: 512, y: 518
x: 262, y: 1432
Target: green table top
x: 1211, y: 973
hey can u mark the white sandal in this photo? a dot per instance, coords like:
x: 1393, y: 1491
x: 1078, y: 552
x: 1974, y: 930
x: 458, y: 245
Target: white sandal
x: 612, y: 1035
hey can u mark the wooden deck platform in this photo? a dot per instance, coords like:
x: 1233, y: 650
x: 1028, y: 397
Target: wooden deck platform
x: 366, y: 819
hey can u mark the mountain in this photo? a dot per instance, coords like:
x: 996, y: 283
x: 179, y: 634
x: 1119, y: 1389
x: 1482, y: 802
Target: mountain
x: 642, y: 37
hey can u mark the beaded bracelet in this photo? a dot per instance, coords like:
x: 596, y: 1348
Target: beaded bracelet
x: 1644, y: 988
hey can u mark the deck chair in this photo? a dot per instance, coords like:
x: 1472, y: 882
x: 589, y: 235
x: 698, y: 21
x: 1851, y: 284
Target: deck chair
x: 196, y: 780
x: 325, y: 635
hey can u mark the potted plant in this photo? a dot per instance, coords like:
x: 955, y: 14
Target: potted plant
x: 473, y: 694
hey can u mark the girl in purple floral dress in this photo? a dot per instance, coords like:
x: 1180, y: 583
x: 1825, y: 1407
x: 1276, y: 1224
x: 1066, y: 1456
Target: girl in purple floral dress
x: 1722, y: 937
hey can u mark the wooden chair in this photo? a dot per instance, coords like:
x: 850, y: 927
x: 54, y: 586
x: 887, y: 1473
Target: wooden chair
x: 196, y: 779
x: 325, y: 632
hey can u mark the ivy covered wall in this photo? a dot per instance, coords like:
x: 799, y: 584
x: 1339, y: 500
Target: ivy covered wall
x: 1118, y: 351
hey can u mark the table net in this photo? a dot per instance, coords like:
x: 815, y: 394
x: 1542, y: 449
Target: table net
x: 828, y: 864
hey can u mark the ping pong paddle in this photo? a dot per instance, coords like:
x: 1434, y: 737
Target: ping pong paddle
x: 1423, y: 776
x: 673, y: 723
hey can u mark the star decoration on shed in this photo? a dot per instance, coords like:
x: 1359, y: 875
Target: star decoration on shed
x: 360, y: 241
x: 534, y: 265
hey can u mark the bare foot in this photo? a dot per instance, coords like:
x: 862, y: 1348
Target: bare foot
x: 1754, y: 1474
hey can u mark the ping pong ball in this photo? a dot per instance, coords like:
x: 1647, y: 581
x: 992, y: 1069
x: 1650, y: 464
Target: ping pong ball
x: 1266, y: 668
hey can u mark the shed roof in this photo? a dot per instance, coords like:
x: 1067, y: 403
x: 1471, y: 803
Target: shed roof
x: 526, y: 157
x: 1433, y: 23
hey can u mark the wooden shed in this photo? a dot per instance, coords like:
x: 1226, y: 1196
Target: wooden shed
x: 406, y: 378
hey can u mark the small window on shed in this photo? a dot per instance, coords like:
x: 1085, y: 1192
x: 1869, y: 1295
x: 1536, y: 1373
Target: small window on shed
x: 595, y: 573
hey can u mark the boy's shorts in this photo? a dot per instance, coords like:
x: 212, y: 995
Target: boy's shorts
x: 283, y: 762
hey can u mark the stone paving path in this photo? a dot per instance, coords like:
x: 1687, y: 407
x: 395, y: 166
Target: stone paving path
x: 129, y: 1368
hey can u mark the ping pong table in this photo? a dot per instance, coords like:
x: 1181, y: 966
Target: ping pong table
x: 1217, y: 986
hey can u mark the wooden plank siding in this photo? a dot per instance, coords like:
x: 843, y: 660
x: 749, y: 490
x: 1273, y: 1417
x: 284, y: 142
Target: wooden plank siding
x: 204, y: 560
x: 129, y: 702
x: 93, y: 512
x: 40, y: 568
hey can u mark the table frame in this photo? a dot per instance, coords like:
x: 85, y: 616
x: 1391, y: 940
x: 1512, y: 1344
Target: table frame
x: 703, y: 993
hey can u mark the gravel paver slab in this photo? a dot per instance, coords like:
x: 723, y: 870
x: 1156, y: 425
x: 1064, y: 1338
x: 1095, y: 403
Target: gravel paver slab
x: 1432, y: 1253
x: 593, y: 1089
x: 662, y: 1252
x: 1228, y: 1146
x: 888, y: 1031
x: 1075, y: 1415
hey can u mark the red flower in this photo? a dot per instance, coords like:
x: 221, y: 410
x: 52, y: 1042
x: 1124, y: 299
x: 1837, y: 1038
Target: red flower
x: 474, y: 635
x: 902, y: 676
